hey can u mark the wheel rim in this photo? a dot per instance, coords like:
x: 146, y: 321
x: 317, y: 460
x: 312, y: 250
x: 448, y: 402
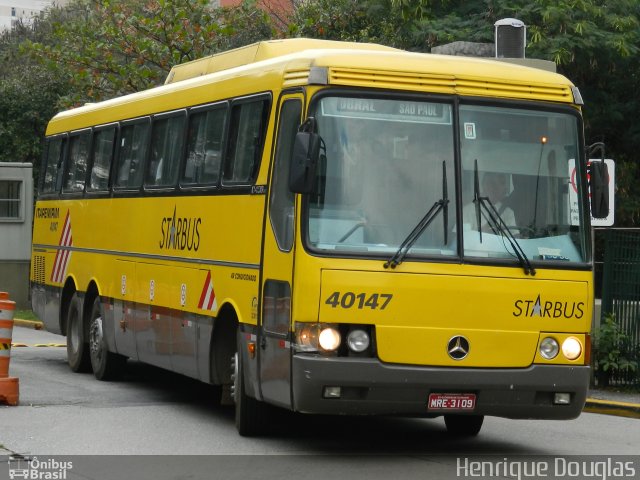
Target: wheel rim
x: 74, y: 337
x: 235, y: 378
x: 95, y: 338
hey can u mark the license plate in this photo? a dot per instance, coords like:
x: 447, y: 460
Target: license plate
x: 452, y: 401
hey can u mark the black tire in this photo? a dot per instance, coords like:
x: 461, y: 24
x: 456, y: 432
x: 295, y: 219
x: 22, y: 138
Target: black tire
x: 251, y: 414
x: 106, y: 365
x: 77, y: 346
x: 463, y: 425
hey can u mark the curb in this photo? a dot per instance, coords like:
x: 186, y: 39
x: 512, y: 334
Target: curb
x: 611, y: 407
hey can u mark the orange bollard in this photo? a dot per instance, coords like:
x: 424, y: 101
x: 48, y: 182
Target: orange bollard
x: 9, y: 387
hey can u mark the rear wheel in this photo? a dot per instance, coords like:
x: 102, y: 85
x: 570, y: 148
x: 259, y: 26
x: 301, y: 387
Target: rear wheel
x: 251, y: 414
x: 77, y: 348
x: 464, y: 425
x: 106, y: 365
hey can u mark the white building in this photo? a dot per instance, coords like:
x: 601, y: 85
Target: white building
x: 11, y: 11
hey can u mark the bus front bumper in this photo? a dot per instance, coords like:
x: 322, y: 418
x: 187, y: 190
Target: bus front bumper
x: 370, y: 387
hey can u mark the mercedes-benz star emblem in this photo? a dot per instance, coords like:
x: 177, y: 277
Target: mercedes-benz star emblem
x: 458, y: 347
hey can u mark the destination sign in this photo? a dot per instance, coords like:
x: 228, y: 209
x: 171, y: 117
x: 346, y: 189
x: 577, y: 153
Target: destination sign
x: 387, y: 110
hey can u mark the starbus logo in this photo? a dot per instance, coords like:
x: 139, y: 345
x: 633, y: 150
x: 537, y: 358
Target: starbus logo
x: 180, y: 233
x: 548, y: 309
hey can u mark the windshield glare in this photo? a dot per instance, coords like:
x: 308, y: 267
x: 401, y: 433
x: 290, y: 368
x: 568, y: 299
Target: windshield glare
x: 387, y: 162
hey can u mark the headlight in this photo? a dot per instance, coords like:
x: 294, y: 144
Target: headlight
x: 329, y: 339
x: 358, y: 340
x: 307, y: 337
x: 571, y: 348
x: 549, y: 348
x: 311, y: 337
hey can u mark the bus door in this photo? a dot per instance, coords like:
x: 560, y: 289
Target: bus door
x: 275, y: 336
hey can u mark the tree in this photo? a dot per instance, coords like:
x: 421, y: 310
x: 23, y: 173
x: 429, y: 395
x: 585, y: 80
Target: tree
x: 107, y: 48
x: 348, y: 20
x: 28, y: 97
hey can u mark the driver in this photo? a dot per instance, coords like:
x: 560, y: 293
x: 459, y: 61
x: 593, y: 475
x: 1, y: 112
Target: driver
x: 495, y: 186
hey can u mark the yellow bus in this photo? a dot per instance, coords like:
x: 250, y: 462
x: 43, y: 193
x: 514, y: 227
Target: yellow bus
x: 330, y: 228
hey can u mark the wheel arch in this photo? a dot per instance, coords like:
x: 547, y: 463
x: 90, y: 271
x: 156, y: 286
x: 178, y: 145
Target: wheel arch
x: 92, y: 292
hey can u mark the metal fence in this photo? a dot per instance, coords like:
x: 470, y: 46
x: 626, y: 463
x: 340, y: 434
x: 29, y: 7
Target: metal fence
x: 621, y: 297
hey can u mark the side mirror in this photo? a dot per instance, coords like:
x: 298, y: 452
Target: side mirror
x: 306, y: 151
x: 598, y: 182
x: 599, y: 188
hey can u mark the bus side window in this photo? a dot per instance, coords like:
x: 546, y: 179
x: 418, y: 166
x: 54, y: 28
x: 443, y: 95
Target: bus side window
x: 167, y: 139
x: 76, y: 169
x: 53, y: 163
x: 247, y: 130
x: 204, y: 147
x: 134, y: 143
x: 102, y: 151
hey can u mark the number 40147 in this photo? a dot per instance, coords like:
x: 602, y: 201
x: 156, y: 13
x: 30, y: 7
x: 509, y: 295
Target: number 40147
x: 360, y: 300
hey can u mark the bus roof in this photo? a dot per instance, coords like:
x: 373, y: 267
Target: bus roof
x: 259, y: 51
x: 275, y: 65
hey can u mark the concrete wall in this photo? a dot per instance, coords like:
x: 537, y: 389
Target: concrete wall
x: 14, y: 278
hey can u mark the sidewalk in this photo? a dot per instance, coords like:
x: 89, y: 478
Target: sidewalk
x: 608, y: 402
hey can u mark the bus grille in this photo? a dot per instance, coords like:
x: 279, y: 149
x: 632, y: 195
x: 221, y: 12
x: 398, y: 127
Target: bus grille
x: 294, y: 78
x: 38, y: 269
x: 450, y: 84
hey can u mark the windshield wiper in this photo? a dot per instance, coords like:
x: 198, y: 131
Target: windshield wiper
x: 441, y: 205
x: 485, y: 208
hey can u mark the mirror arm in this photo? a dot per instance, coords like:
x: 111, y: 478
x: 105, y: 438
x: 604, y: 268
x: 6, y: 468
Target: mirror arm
x: 594, y: 147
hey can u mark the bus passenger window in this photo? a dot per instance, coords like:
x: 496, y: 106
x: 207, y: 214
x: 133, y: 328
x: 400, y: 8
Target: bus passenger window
x: 134, y: 143
x: 167, y: 139
x: 55, y: 152
x: 204, y: 147
x: 76, y: 170
x: 248, y: 125
x: 103, y: 141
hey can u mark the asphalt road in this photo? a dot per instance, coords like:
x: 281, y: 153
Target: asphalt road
x: 153, y: 412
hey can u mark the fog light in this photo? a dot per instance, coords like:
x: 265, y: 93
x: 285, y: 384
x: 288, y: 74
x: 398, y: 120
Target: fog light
x: 549, y: 348
x: 562, y: 399
x: 329, y: 339
x: 571, y: 348
x: 358, y: 340
x: 331, y: 392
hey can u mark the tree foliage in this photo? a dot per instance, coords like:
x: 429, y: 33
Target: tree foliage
x: 28, y: 96
x: 129, y: 45
x: 347, y: 20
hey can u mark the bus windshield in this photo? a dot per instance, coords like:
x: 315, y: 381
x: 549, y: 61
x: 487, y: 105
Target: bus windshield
x: 388, y: 163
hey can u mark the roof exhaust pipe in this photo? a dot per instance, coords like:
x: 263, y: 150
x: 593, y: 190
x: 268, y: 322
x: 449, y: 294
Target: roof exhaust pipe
x: 510, y: 38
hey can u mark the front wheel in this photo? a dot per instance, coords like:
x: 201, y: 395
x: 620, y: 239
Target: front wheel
x: 463, y: 425
x: 105, y: 364
x: 251, y: 415
x: 77, y: 348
